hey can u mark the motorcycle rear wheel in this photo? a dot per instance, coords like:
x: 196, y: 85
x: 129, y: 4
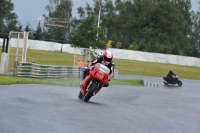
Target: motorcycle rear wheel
x: 90, y: 92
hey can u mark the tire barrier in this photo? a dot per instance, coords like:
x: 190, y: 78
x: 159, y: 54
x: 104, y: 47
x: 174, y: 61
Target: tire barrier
x: 32, y: 70
x: 149, y: 84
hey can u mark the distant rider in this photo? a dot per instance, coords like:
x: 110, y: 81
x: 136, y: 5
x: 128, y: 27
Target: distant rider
x: 104, y: 58
x: 171, y: 75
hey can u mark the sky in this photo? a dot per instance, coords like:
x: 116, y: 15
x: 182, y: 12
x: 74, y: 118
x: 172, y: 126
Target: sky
x: 28, y: 11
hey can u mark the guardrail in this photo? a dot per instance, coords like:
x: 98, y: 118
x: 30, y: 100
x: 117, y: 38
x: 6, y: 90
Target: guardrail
x: 32, y: 70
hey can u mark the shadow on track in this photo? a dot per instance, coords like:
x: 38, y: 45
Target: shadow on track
x: 172, y: 86
x: 92, y: 103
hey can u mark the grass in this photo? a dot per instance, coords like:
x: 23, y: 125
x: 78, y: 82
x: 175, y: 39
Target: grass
x: 156, y: 69
x: 123, y: 66
x: 8, y: 80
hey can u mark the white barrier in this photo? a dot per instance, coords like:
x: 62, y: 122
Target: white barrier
x: 118, y: 53
x: 155, y: 57
x: 36, y: 45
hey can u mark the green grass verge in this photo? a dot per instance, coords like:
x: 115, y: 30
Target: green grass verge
x: 156, y: 69
x: 8, y: 80
x: 123, y: 66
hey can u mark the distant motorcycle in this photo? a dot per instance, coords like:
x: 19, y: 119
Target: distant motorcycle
x: 94, y: 81
x: 174, y: 80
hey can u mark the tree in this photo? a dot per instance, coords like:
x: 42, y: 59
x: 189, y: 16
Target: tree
x: 62, y: 11
x: 30, y: 30
x: 88, y: 35
x: 89, y: 10
x: 74, y: 23
x: 81, y: 12
x: 195, y: 36
x: 158, y: 25
x: 8, y: 19
x: 19, y: 27
x: 38, y: 33
x: 59, y: 8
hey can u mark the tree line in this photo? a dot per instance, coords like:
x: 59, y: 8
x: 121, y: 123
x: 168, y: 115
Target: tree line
x: 160, y: 26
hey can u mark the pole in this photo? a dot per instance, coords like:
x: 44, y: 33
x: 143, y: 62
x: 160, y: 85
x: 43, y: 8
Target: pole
x: 24, y: 52
x: 99, y: 16
x: 16, y: 58
x: 74, y: 57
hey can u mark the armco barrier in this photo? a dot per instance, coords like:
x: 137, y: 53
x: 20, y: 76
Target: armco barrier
x: 46, y: 71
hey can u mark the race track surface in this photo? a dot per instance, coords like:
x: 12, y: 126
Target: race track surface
x: 116, y: 109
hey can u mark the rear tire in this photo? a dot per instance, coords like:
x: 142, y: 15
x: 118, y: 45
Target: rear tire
x: 90, y: 92
x: 179, y: 83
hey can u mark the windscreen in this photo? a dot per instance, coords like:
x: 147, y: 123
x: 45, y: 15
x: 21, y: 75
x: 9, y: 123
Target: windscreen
x: 103, y: 68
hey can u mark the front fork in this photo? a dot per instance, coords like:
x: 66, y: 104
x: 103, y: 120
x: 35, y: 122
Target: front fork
x: 90, y: 83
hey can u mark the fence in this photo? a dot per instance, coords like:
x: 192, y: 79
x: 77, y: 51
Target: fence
x: 32, y: 70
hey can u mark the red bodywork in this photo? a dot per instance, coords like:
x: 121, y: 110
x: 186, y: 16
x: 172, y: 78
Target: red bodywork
x: 98, y: 75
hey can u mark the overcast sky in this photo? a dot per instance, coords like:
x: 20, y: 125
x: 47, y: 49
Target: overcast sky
x: 30, y: 10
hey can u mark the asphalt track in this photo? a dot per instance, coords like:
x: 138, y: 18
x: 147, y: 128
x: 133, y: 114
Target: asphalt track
x: 116, y: 109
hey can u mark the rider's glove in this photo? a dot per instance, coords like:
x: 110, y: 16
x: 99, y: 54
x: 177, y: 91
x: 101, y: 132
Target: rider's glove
x: 90, y: 67
x: 110, y: 76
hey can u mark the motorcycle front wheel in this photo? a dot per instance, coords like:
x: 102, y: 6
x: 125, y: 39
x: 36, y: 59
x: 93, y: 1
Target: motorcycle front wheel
x: 179, y: 83
x: 165, y: 83
x: 80, y: 95
x: 90, y: 92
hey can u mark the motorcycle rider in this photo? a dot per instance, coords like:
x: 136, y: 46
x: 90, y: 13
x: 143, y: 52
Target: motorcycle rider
x: 170, y: 76
x: 104, y: 58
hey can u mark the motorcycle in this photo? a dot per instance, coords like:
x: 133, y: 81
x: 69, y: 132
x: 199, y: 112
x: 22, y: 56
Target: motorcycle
x: 97, y: 77
x: 175, y: 80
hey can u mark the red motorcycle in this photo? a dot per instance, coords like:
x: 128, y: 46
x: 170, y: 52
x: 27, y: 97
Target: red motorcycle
x: 96, y: 78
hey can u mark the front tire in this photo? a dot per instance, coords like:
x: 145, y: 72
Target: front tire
x: 179, y: 83
x: 165, y: 83
x: 90, y: 92
x: 80, y: 95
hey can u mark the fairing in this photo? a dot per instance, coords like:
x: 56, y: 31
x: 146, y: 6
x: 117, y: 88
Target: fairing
x: 99, y: 74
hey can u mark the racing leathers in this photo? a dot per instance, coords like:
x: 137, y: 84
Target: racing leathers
x: 171, y: 76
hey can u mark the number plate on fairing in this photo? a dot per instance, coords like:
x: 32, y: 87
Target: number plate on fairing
x: 104, y: 69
